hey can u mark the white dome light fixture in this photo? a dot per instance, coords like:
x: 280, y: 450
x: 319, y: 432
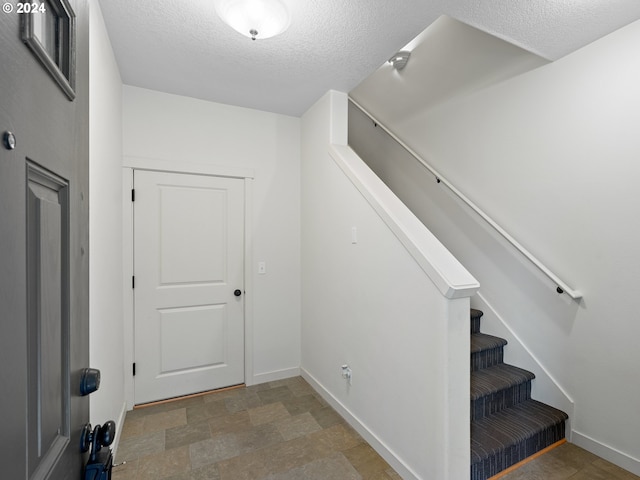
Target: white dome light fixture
x: 256, y: 19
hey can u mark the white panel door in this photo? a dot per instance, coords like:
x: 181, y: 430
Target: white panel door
x: 188, y: 265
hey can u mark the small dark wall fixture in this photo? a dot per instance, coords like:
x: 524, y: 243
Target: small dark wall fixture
x: 48, y: 29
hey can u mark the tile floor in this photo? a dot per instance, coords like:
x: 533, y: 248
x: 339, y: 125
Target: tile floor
x: 284, y: 431
x: 569, y: 462
x: 276, y: 431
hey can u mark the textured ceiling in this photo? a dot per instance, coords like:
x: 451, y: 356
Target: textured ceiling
x: 182, y: 47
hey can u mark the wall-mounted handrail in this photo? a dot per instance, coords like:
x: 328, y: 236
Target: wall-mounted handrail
x: 561, y: 286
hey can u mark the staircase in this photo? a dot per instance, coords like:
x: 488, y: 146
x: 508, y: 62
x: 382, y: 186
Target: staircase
x: 507, y: 426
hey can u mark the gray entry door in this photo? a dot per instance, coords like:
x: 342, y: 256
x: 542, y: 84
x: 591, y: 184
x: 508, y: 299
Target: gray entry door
x: 44, y: 244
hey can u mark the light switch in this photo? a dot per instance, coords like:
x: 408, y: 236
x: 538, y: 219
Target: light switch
x: 354, y: 234
x: 262, y: 268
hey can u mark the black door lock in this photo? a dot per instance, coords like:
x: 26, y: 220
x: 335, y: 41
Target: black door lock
x: 89, y: 381
x: 100, y: 461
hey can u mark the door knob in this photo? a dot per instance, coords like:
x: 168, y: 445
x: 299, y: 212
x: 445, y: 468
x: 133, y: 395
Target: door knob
x: 237, y: 292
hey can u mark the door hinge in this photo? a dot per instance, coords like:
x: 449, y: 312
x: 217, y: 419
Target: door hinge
x: 133, y: 194
x: 134, y: 369
x: 133, y: 281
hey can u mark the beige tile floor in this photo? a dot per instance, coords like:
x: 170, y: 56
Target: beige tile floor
x: 284, y: 431
x: 276, y: 431
x: 569, y: 462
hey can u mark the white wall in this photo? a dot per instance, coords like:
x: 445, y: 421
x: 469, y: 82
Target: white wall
x: 448, y: 59
x: 481, y: 249
x: 370, y: 305
x: 179, y: 130
x: 105, y: 223
x: 552, y: 156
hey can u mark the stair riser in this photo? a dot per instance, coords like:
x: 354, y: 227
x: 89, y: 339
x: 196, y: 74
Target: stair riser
x: 486, y: 358
x: 494, y: 403
x: 475, y: 324
x: 516, y: 453
x: 476, y: 315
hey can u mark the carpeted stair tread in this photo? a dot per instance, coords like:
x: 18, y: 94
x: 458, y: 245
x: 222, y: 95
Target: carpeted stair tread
x: 513, y: 426
x: 486, y: 351
x: 498, y: 377
x: 482, y: 341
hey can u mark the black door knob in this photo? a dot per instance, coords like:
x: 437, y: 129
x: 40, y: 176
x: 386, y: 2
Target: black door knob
x: 237, y: 292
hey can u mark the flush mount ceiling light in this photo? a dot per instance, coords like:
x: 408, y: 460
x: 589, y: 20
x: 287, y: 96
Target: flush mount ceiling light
x: 400, y: 59
x: 254, y: 18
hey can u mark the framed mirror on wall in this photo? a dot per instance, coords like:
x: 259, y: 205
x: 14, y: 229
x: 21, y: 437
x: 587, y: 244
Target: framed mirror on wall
x: 48, y: 29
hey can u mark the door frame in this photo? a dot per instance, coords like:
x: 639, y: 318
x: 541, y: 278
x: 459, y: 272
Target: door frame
x: 131, y: 164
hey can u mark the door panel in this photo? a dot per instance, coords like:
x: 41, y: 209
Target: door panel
x: 189, y: 251
x: 44, y: 297
x: 192, y: 337
x: 192, y: 250
x: 48, y: 318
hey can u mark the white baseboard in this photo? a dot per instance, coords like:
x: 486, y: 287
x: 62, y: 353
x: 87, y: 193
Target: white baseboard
x: 273, y: 376
x: 607, y: 452
x: 376, y: 443
x: 119, y: 425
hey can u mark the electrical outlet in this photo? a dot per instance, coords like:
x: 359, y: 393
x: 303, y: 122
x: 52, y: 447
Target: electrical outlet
x: 346, y: 373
